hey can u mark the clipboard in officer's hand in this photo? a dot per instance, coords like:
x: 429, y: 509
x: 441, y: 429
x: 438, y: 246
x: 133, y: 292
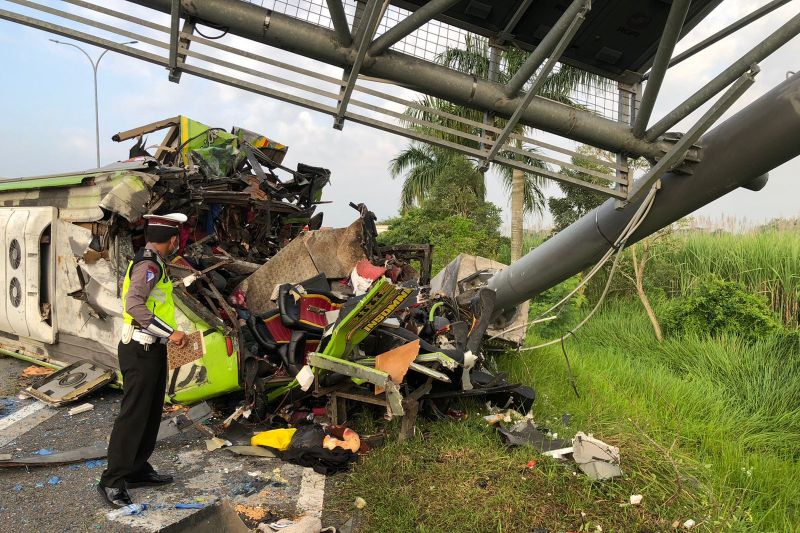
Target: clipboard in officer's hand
x: 193, y: 350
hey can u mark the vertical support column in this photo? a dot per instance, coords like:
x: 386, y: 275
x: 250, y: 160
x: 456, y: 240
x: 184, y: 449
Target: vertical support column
x: 626, y: 113
x: 494, y: 70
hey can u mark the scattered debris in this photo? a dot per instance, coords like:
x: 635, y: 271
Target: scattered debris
x: 520, y: 430
x: 218, y: 517
x: 253, y: 513
x: 255, y: 451
x: 341, y: 437
x: 215, y: 443
x: 43, y: 451
x: 34, y: 371
x: 96, y: 463
x: 689, y: 524
x: 53, y: 480
x: 595, y: 458
x: 191, y: 505
x: 71, y: 383
x: 128, y: 510
x: 276, y: 439
x: 304, y: 524
x: 182, y: 421
x: 83, y: 408
x: 49, y: 458
x: 636, y: 499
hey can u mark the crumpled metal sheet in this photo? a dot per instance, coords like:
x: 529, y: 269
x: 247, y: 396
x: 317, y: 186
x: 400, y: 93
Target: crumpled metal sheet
x: 130, y: 195
x: 463, y: 266
x: 334, y: 252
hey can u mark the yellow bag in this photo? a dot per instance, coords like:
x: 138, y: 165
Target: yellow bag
x: 278, y: 439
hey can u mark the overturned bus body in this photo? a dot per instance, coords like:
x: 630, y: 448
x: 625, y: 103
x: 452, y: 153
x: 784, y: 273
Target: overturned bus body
x: 284, y: 306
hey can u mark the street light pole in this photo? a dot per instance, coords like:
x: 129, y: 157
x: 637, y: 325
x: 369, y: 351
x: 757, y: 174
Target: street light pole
x: 94, y: 64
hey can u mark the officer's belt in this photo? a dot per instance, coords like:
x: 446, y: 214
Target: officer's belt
x: 146, y: 339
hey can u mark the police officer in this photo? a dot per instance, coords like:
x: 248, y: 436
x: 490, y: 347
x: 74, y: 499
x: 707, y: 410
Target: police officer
x: 149, y: 314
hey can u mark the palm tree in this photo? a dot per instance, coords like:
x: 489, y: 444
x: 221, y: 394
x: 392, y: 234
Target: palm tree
x: 423, y: 163
x: 474, y: 58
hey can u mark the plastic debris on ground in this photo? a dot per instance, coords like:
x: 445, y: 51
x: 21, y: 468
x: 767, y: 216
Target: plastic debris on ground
x: 83, y: 408
x: 216, y: 443
x: 54, y: 480
x: 595, y: 458
x: 190, y: 505
x: 128, y: 510
x: 517, y: 429
x: 276, y: 439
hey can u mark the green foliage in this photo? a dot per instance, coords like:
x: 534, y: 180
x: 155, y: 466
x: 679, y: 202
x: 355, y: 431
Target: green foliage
x: 719, y: 307
x: 453, y: 219
x: 765, y: 262
x: 425, y: 165
x: 577, y: 201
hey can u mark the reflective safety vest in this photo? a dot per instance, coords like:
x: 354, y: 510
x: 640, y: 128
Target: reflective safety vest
x: 159, y: 301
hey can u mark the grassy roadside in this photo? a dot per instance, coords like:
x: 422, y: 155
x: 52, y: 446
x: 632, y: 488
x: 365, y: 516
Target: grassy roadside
x: 708, y: 430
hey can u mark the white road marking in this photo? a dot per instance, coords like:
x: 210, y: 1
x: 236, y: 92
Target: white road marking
x: 312, y: 493
x: 19, y: 414
x: 23, y: 420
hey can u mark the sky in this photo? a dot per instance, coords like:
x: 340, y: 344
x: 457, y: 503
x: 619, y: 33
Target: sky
x: 47, y: 113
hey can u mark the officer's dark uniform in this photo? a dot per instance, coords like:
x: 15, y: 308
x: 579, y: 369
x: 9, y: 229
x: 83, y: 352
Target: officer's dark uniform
x: 149, y: 314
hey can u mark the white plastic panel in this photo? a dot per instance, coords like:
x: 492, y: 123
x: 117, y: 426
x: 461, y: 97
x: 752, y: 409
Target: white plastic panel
x: 5, y: 325
x: 21, y: 285
x: 15, y: 232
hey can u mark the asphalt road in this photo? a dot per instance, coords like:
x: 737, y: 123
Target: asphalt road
x: 64, y: 498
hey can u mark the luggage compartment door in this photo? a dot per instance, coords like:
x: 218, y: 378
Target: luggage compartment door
x: 27, y: 272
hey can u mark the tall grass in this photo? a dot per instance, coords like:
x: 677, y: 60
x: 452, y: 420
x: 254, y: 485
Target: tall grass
x: 766, y: 263
x: 728, y: 411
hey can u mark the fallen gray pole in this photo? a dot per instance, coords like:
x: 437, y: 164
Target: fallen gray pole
x: 740, y: 150
x: 288, y: 33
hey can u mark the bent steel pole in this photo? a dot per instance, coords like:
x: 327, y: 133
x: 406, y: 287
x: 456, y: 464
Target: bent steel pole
x: 735, y: 154
x: 253, y: 22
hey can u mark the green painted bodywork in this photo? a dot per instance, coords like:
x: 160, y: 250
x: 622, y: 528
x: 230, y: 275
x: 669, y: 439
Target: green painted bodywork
x: 44, y: 182
x: 221, y: 369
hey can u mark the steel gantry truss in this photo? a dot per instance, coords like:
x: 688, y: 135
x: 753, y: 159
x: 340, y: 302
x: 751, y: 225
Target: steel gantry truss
x: 364, y: 57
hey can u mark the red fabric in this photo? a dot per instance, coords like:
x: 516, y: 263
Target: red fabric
x: 310, y: 306
x: 311, y: 346
x: 280, y: 333
x: 367, y: 270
